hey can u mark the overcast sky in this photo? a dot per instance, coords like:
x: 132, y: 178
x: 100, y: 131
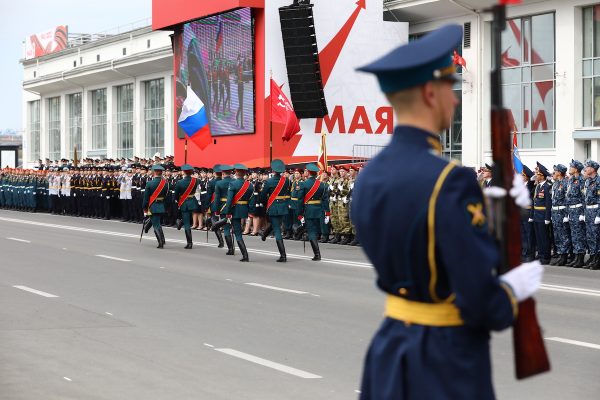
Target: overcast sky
x: 20, y: 18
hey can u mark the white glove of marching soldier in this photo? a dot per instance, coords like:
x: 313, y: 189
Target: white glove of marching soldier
x: 524, y: 280
x: 582, y: 218
x: 519, y: 192
x: 566, y: 219
x: 596, y: 220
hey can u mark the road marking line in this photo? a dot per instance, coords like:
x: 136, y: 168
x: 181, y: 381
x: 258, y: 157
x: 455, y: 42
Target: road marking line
x: 569, y: 289
x: 112, y: 258
x: 269, y: 364
x: 575, y: 342
x: 19, y: 240
x: 67, y: 379
x: 28, y: 289
x: 209, y: 345
x: 345, y: 263
x: 107, y: 313
x: 275, y: 288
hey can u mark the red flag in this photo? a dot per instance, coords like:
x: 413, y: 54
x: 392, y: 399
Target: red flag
x: 282, y: 112
x: 322, y: 160
x: 458, y: 60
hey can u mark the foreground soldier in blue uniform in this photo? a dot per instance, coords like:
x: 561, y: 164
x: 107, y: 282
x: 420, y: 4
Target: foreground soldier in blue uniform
x: 154, y: 202
x: 184, y: 196
x: 276, y: 195
x: 560, y: 218
x: 576, y: 212
x: 443, y: 294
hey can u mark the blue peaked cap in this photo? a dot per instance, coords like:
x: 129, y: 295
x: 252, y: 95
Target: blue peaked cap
x: 418, y: 62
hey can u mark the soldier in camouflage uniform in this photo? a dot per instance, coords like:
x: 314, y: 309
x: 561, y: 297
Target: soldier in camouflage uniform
x: 560, y: 219
x: 334, y: 197
x: 342, y: 206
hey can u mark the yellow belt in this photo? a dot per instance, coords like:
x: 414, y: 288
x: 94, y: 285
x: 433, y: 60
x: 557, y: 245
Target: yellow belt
x: 160, y: 198
x: 241, y: 202
x: 428, y: 314
x: 539, y: 208
x: 223, y: 198
x: 191, y: 196
x: 295, y: 198
x: 314, y: 202
x: 282, y: 197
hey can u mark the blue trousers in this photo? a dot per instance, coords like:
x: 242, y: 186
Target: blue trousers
x: 562, y: 239
x: 186, y: 216
x: 591, y: 230
x: 155, y: 218
x: 577, y: 230
x: 541, y: 239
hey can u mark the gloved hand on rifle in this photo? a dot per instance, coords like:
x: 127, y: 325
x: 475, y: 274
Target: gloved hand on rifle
x: 525, y: 279
x: 519, y: 192
x: 326, y: 220
x: 301, y: 219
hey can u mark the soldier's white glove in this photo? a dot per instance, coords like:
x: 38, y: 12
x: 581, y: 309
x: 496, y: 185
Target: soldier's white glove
x: 546, y: 222
x: 108, y: 197
x: 596, y: 220
x: 530, y: 220
x: 525, y: 279
x: 566, y: 219
x: 326, y: 220
x: 582, y: 218
x: 519, y: 192
x: 345, y: 200
x: 301, y: 220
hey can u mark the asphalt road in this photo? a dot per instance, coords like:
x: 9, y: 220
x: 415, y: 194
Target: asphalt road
x: 129, y: 321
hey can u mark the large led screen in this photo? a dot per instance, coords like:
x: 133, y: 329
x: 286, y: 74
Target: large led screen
x: 214, y: 58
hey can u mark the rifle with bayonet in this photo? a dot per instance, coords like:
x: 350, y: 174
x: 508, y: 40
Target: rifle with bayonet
x: 530, y: 353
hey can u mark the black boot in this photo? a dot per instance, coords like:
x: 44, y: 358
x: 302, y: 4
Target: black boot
x: 336, y: 239
x: 229, y: 241
x: 324, y: 238
x: 265, y: 234
x: 354, y: 241
x: 160, y: 244
x: 162, y: 235
x: 281, y: 248
x: 315, y: 247
x: 578, y: 263
x: 596, y: 264
x: 562, y: 260
x: 242, y: 247
x: 219, y: 235
x: 147, y: 225
x: 589, y: 262
x: 179, y: 224
x: 346, y: 240
x: 188, y: 236
x: 555, y: 261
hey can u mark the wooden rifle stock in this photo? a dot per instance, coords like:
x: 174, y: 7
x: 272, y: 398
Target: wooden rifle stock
x: 530, y: 352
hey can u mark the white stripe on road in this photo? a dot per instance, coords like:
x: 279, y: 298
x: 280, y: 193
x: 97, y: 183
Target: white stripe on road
x: 133, y: 236
x: 570, y: 289
x: 275, y: 288
x: 575, y: 342
x: 112, y: 258
x: 269, y: 364
x: 28, y: 289
x: 19, y: 240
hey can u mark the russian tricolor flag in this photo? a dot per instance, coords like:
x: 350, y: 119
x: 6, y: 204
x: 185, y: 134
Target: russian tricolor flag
x: 219, y: 36
x: 516, y: 158
x: 194, y: 121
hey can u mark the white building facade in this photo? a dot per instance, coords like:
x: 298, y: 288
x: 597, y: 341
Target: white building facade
x: 551, y: 75
x: 109, y: 98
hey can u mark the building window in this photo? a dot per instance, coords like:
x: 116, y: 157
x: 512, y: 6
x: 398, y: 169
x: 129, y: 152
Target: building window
x: 34, y: 130
x: 54, y: 128
x: 124, y: 51
x: 97, y: 57
x: 154, y: 116
x: 124, y: 121
x: 528, y: 70
x: 75, y: 124
x: 99, y: 123
x: 591, y: 66
x: 148, y: 43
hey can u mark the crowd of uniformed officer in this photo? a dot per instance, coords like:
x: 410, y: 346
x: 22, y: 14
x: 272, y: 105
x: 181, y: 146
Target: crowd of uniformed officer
x: 115, y: 189
x: 563, y: 222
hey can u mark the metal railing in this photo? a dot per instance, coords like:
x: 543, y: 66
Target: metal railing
x: 364, y: 152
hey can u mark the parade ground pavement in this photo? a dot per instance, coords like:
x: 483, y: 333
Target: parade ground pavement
x: 88, y: 312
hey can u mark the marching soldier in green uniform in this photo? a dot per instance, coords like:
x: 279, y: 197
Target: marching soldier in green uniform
x: 185, y: 190
x: 240, y: 203
x: 221, y: 188
x: 154, y: 202
x: 276, y: 195
x: 314, y: 201
x: 212, y: 206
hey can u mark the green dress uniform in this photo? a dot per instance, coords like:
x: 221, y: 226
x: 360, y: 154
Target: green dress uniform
x: 313, y: 203
x: 277, y: 189
x: 187, y: 187
x: 157, y: 208
x: 221, y: 188
x: 240, y: 202
x: 212, y: 206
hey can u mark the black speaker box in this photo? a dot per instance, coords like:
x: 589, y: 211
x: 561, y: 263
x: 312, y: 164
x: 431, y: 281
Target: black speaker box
x: 302, y: 61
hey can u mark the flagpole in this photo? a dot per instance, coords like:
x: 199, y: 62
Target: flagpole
x: 185, y: 151
x: 271, y: 119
